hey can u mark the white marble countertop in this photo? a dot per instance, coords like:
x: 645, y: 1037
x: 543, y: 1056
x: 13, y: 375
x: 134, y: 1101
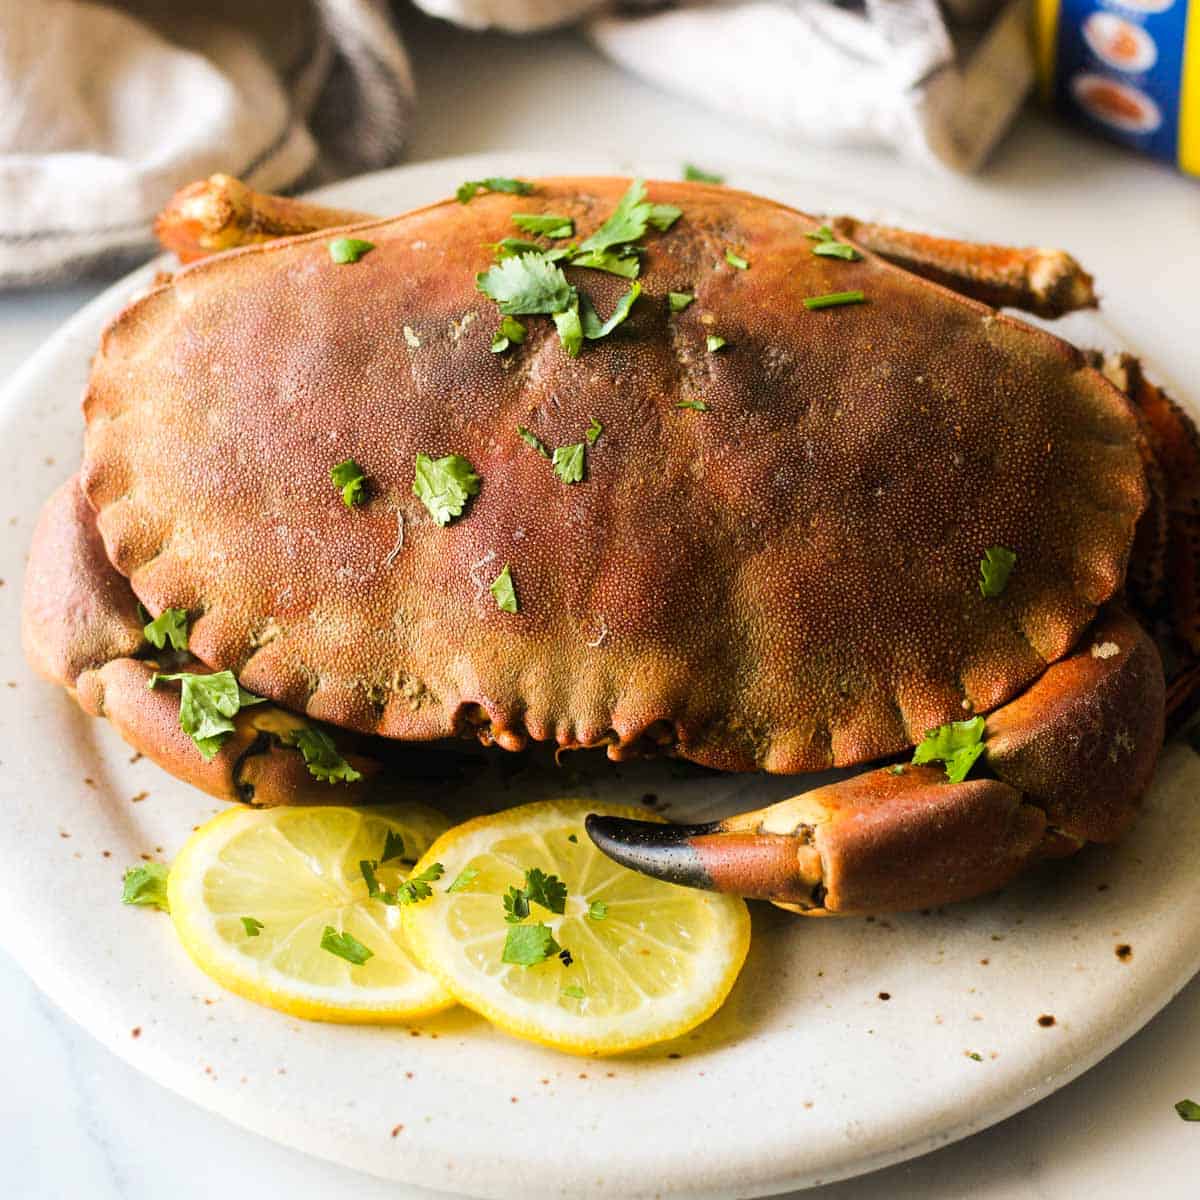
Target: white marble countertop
x: 76, y: 1121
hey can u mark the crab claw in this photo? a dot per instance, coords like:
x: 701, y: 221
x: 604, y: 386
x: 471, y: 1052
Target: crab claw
x: 884, y: 841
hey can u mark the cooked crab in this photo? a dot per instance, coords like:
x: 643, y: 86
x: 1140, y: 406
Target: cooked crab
x: 761, y: 551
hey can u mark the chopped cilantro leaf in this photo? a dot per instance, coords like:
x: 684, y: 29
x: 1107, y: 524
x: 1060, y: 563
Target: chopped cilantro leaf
x: 695, y: 405
x: 252, y: 925
x: 507, y: 247
x: 957, y: 744
x: 393, y: 846
x: 349, y: 250
x: 834, y: 249
x: 547, y: 890
x: 348, y: 477
x: 532, y: 440
x: 463, y: 880
x: 469, y: 190
x: 547, y: 224
x: 367, y: 869
x: 568, y: 463
x: 994, y: 569
x: 504, y: 592
x: 680, y: 300
x: 528, y: 945
x: 570, y: 329
x: 593, y: 328
x: 626, y: 223
x: 833, y: 300
x: 345, y: 945
x: 663, y: 216
x: 574, y: 991
x: 736, y: 260
x: 1189, y: 1110
x: 416, y: 887
x: 572, y: 839
x: 594, y: 430
x: 321, y: 755
x: 146, y: 884
x: 821, y: 234
x: 444, y: 485
x: 171, y: 625
x: 516, y: 905
x: 207, y: 704
x: 625, y: 265
x: 510, y: 333
x: 695, y: 174
x: 714, y: 342
x: 598, y: 910
x: 525, y: 285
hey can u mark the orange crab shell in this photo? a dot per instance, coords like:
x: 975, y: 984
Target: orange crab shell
x: 786, y: 581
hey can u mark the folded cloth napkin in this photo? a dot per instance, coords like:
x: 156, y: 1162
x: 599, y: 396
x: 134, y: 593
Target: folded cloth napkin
x: 939, y: 85
x: 106, y: 109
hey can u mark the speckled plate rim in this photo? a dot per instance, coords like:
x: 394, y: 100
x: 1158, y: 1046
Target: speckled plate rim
x: 725, y: 1158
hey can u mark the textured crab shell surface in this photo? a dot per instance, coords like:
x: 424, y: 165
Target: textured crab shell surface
x: 786, y: 581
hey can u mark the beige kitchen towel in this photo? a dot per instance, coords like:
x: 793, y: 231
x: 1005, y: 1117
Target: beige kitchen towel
x: 107, y: 108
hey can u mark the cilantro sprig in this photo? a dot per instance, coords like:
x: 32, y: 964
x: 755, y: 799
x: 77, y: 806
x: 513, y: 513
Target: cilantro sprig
x: 171, y: 625
x: 146, y: 885
x: 568, y: 462
x: 345, y: 945
x: 957, y: 745
x: 547, y: 224
x: 466, y: 192
x: 207, y: 706
x: 444, y: 485
x: 510, y: 333
x: 349, y: 250
x: 994, y: 569
x: 503, y: 591
x: 349, y: 479
x: 528, y: 945
x: 321, y: 755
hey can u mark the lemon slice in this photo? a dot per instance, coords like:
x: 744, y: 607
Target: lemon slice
x: 649, y: 960
x: 253, y: 891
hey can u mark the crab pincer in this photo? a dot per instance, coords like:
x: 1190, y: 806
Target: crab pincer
x: 1068, y: 759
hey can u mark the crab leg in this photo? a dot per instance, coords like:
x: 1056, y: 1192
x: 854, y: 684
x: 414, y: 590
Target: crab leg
x: 1072, y: 754
x: 1047, y: 282
x: 220, y: 212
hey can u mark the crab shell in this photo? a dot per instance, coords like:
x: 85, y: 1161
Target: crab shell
x: 786, y: 581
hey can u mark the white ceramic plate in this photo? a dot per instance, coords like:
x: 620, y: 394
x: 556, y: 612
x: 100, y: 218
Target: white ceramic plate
x: 806, y: 1075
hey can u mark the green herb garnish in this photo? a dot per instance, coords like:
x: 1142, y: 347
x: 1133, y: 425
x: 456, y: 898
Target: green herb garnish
x: 147, y: 885
x: 526, y: 285
x: 444, y: 485
x: 207, y: 704
x: 504, y: 592
x: 510, y: 333
x: 532, y: 440
x: 593, y: 327
x: 694, y: 405
x: 507, y: 247
x: 393, y: 846
x: 994, y: 569
x: 832, y: 249
x: 626, y: 265
x: 695, y: 174
x: 714, y: 342
x: 252, y: 925
x: 594, y: 430
x: 570, y: 328
x: 321, y: 755
x: 171, y: 625
x: 957, y: 744
x: 822, y: 234
x: 348, y: 249
x: 547, y: 224
x: 466, y: 192
x: 547, y: 890
x: 663, y: 216
x: 528, y: 945
x: 598, y: 910
x: 680, y: 300
x: 463, y: 880
x: 833, y: 300
x: 568, y: 462
x: 348, y: 477
x: 516, y: 905
x: 416, y: 887
x: 1189, y: 1110
x: 736, y: 260
x: 345, y: 945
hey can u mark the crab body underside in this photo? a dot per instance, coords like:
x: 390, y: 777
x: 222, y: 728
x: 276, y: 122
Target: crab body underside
x: 785, y: 581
